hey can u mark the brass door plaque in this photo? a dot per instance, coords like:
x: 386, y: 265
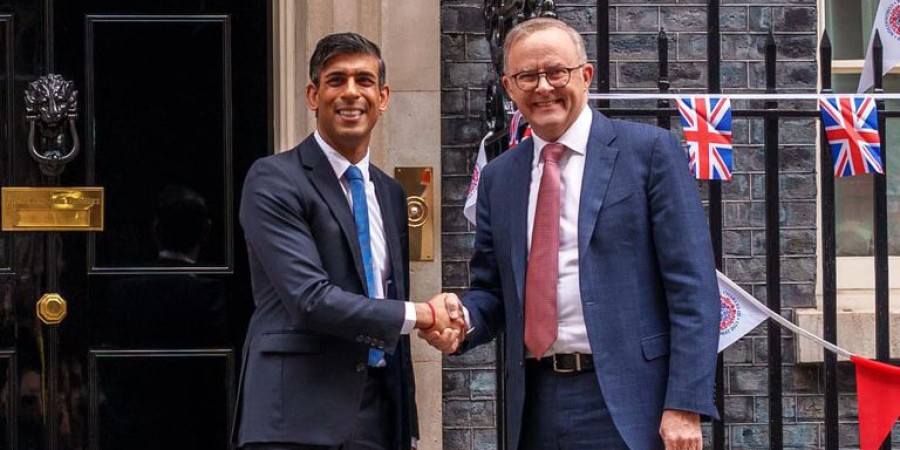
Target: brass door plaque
x: 418, y: 183
x: 52, y: 208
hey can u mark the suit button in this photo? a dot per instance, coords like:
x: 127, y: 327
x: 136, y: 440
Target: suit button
x: 360, y: 338
x: 521, y: 363
x: 360, y: 367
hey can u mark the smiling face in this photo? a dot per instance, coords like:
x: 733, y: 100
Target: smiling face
x: 348, y: 100
x: 550, y: 111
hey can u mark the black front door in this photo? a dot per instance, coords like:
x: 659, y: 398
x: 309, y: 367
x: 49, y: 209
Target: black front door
x: 172, y: 100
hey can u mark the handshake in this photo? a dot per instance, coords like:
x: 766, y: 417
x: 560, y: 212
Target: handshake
x: 441, y: 322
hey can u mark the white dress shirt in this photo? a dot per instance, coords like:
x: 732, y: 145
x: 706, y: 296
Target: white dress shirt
x: 572, y: 332
x: 381, y: 264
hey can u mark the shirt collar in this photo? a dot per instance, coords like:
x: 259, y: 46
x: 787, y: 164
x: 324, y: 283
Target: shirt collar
x: 340, y: 164
x: 575, y: 138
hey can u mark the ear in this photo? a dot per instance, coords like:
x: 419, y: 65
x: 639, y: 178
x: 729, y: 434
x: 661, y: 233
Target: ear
x: 588, y: 73
x: 312, y: 97
x: 385, y: 97
x: 507, y: 85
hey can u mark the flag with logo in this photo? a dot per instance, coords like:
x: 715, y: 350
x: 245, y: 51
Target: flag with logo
x: 877, y: 383
x: 472, y: 196
x: 741, y: 313
x: 518, y: 132
x: 851, y: 127
x: 887, y: 25
x: 706, y: 123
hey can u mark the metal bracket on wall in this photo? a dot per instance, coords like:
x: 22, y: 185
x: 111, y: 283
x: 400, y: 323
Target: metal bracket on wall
x: 418, y: 184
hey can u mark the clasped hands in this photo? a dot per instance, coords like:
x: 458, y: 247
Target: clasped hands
x: 441, y: 322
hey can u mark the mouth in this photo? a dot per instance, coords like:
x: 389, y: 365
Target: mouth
x: 547, y: 103
x: 350, y: 113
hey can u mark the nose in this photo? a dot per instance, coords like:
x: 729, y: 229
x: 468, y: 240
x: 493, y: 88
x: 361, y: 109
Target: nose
x: 543, y: 85
x: 352, y: 89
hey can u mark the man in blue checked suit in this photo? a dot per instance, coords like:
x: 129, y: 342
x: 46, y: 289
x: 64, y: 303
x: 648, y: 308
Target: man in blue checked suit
x: 327, y: 359
x: 593, y: 254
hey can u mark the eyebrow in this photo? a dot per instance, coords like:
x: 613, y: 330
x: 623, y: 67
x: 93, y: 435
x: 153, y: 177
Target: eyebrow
x: 345, y: 73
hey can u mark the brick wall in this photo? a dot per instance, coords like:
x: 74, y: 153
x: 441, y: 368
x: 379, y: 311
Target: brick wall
x: 469, y: 387
x: 468, y: 381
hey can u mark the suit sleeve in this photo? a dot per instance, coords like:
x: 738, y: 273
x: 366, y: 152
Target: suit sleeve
x: 282, y: 241
x: 687, y: 268
x: 483, y: 299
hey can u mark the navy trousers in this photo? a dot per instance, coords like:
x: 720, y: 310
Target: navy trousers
x: 565, y: 412
x: 373, y: 422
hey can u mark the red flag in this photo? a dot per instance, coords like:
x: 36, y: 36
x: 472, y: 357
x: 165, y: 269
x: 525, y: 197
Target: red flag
x: 878, y: 397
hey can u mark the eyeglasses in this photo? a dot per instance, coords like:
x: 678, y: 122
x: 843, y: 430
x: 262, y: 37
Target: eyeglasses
x: 557, y: 77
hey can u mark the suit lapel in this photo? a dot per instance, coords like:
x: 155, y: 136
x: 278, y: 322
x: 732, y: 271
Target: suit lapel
x: 391, y: 236
x: 519, y: 180
x: 600, y: 161
x: 322, y: 176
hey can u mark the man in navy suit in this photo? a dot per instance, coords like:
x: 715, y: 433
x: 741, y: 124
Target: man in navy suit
x: 609, y: 305
x: 327, y: 359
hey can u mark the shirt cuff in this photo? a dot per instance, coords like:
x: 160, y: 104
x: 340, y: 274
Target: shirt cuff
x: 469, y: 328
x: 409, y: 319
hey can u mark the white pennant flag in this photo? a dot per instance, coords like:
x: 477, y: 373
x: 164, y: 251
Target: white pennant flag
x: 472, y: 196
x: 741, y: 313
x: 887, y: 23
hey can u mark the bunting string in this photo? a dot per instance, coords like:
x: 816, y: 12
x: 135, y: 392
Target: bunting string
x: 760, y: 96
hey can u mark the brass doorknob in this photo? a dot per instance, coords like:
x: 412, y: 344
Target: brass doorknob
x: 51, y: 309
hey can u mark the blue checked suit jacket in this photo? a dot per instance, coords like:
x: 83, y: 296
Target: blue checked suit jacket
x: 647, y: 276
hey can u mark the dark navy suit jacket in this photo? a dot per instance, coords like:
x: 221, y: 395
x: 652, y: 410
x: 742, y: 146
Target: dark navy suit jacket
x: 647, y: 276
x: 305, y: 354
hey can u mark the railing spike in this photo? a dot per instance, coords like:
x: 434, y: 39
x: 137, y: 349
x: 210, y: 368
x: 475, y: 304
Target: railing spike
x: 548, y: 9
x: 825, y: 58
x: 826, y: 41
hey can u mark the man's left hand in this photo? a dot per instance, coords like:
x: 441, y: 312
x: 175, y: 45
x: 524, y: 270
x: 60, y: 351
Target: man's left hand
x: 680, y: 430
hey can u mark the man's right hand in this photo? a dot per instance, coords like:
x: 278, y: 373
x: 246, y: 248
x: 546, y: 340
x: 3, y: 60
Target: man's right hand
x: 448, y: 329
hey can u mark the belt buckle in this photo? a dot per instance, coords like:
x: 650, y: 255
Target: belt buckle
x: 577, y: 365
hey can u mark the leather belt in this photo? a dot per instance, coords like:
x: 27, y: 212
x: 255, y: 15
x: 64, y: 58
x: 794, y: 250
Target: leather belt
x: 565, y: 362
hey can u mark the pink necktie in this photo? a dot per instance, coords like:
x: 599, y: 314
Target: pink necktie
x: 542, y: 276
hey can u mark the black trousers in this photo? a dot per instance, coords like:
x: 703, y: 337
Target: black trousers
x: 373, y: 430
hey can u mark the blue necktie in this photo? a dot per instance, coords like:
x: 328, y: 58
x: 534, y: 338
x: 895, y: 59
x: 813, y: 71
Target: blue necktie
x: 361, y: 217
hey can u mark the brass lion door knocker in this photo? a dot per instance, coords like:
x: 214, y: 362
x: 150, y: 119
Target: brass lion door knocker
x: 51, y: 107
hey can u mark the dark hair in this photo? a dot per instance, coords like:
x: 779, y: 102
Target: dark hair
x: 343, y: 44
x: 181, y: 217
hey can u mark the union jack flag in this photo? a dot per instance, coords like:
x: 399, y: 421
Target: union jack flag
x: 707, y: 135
x: 515, y: 134
x: 851, y: 126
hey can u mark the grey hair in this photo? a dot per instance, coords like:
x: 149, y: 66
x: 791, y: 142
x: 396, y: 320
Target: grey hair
x: 529, y: 27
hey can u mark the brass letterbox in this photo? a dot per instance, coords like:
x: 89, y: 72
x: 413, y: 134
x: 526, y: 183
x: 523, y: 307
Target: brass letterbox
x: 52, y: 208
